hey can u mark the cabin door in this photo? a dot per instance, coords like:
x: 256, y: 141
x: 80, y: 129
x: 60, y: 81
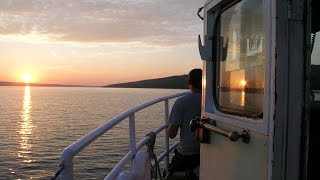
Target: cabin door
x: 237, y: 93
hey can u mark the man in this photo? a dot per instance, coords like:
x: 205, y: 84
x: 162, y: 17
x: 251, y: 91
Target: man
x: 186, y: 108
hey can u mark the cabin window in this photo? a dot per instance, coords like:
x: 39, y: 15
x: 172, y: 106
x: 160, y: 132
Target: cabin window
x: 240, y: 59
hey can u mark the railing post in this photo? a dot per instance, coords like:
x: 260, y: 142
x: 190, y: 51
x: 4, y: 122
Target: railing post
x: 66, y: 162
x: 166, y: 119
x: 132, y: 128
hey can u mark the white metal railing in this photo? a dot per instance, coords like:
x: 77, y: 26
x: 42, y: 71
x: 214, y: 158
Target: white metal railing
x: 66, y: 160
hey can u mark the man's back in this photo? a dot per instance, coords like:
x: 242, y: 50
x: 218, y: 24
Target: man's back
x: 185, y: 109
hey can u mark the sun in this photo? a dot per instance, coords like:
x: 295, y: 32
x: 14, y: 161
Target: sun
x: 243, y: 83
x: 27, y: 77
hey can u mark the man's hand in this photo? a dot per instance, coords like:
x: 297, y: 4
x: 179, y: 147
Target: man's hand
x: 172, y: 131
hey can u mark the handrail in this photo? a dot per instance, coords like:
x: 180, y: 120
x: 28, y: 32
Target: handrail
x: 167, y: 152
x: 117, y: 169
x: 66, y: 160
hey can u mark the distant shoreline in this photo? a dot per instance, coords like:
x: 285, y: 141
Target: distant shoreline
x: 172, y: 82
x: 18, y: 84
x: 100, y: 87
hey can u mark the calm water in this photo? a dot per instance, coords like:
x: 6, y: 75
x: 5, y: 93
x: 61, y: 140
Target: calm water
x: 37, y: 123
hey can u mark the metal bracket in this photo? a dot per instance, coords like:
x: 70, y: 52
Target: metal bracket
x: 202, y: 135
x: 205, y: 50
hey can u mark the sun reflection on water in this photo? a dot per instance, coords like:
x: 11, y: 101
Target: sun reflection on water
x: 26, y: 127
x: 243, y: 99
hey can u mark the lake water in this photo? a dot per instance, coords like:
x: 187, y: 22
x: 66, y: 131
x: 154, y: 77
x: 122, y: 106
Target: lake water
x: 37, y: 123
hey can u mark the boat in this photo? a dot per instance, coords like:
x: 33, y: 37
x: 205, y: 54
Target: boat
x: 260, y: 105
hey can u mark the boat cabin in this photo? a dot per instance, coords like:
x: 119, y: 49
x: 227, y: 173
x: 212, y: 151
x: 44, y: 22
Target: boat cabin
x: 261, y: 82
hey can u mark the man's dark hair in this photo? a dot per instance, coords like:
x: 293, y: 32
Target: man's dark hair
x: 195, y: 78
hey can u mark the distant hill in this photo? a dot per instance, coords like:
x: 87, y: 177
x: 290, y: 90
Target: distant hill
x: 180, y: 82
x: 3, y: 83
x: 172, y: 82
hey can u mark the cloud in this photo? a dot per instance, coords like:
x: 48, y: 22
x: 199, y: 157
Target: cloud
x: 158, y: 22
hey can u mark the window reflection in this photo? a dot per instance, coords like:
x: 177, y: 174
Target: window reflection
x: 26, y: 127
x: 240, y: 58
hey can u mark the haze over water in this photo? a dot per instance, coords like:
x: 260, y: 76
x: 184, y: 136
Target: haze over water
x: 37, y: 123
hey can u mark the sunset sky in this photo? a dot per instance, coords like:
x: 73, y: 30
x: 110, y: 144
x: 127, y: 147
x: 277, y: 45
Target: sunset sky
x: 97, y: 42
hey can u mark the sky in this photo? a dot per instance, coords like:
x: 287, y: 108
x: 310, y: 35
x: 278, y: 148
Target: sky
x: 98, y: 42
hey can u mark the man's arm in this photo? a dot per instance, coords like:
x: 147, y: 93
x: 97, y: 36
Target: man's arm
x: 175, y: 119
x: 172, y: 131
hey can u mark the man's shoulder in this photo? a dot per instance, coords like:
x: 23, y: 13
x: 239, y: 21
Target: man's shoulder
x: 179, y: 100
x: 191, y: 96
x: 182, y: 98
x: 188, y: 97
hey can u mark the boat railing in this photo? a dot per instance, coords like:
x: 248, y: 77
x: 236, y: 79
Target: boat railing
x: 66, y: 160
